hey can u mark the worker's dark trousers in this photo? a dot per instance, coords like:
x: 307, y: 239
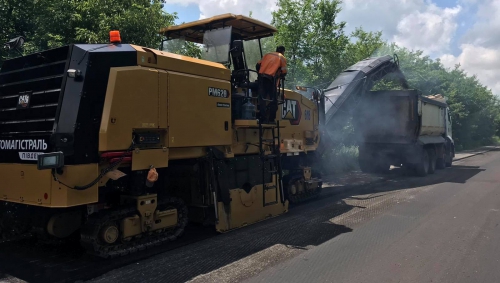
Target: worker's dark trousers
x: 267, y: 90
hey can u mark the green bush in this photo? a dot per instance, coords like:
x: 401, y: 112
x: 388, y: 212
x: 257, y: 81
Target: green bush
x: 340, y: 159
x: 495, y: 140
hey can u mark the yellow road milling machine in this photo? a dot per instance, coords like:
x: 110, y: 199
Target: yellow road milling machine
x: 123, y: 145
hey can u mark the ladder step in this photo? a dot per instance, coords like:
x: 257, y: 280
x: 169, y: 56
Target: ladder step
x: 270, y: 203
x: 270, y: 187
x: 268, y: 140
x: 270, y: 156
x: 313, y: 180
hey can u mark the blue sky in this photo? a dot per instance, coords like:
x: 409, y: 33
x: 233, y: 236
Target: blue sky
x: 456, y: 31
x: 465, y: 20
x: 186, y: 13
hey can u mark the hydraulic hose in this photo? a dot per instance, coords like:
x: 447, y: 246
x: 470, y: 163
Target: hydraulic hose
x: 101, y: 175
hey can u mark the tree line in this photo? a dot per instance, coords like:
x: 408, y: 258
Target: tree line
x: 318, y: 48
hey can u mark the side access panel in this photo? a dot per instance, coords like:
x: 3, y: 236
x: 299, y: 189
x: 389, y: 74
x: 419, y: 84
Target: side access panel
x: 25, y: 184
x: 131, y: 103
x: 199, y: 111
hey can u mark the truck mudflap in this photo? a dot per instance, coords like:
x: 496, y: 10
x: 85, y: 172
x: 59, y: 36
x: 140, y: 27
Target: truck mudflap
x: 25, y: 184
x: 431, y: 140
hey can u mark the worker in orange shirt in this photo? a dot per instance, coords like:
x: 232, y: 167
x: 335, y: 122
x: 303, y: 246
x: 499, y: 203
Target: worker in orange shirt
x: 272, y: 68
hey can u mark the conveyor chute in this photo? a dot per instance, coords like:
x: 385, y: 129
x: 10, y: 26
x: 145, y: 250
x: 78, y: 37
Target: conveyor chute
x: 350, y: 85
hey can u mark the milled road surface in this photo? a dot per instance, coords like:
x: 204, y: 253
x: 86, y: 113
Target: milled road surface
x: 442, y: 228
x: 445, y: 232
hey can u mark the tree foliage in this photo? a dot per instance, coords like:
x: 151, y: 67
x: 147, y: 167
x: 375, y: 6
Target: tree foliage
x: 47, y: 24
x: 318, y: 50
x: 313, y: 39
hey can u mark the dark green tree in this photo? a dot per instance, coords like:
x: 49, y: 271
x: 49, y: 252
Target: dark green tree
x: 313, y: 39
x: 47, y: 24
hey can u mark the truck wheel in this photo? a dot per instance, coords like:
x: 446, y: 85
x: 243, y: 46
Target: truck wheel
x: 449, y: 160
x: 432, y: 161
x: 441, y: 159
x: 440, y: 163
x: 422, y: 168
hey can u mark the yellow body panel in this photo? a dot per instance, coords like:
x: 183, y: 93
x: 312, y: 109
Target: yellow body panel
x: 132, y: 102
x: 186, y: 152
x: 294, y: 136
x: 143, y: 159
x: 163, y: 100
x: 195, y: 119
x: 24, y: 183
x: 179, y: 63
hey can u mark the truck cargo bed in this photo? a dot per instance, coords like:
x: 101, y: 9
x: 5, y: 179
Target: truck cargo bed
x: 398, y: 116
x: 387, y: 117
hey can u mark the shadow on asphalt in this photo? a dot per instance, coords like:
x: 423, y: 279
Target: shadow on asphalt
x: 34, y: 262
x: 306, y: 224
x: 399, y: 178
x: 454, y: 174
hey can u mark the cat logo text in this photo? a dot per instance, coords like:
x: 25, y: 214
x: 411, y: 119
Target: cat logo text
x: 290, y: 110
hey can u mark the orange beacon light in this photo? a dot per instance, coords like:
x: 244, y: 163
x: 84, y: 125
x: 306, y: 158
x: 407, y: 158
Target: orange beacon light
x: 114, y: 36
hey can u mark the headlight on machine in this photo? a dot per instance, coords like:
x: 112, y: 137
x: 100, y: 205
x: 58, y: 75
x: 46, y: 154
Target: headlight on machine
x: 52, y: 160
x: 74, y: 73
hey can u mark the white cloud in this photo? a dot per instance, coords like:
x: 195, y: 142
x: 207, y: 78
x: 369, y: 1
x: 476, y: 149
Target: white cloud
x: 480, y: 48
x: 375, y: 15
x: 415, y: 24
x: 485, y: 30
x: 261, y: 9
x: 480, y: 61
x: 430, y: 30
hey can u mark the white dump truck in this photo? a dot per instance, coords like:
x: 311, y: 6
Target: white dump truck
x: 403, y: 128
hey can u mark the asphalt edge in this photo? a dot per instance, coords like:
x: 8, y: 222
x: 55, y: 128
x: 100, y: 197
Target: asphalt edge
x: 477, y: 153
